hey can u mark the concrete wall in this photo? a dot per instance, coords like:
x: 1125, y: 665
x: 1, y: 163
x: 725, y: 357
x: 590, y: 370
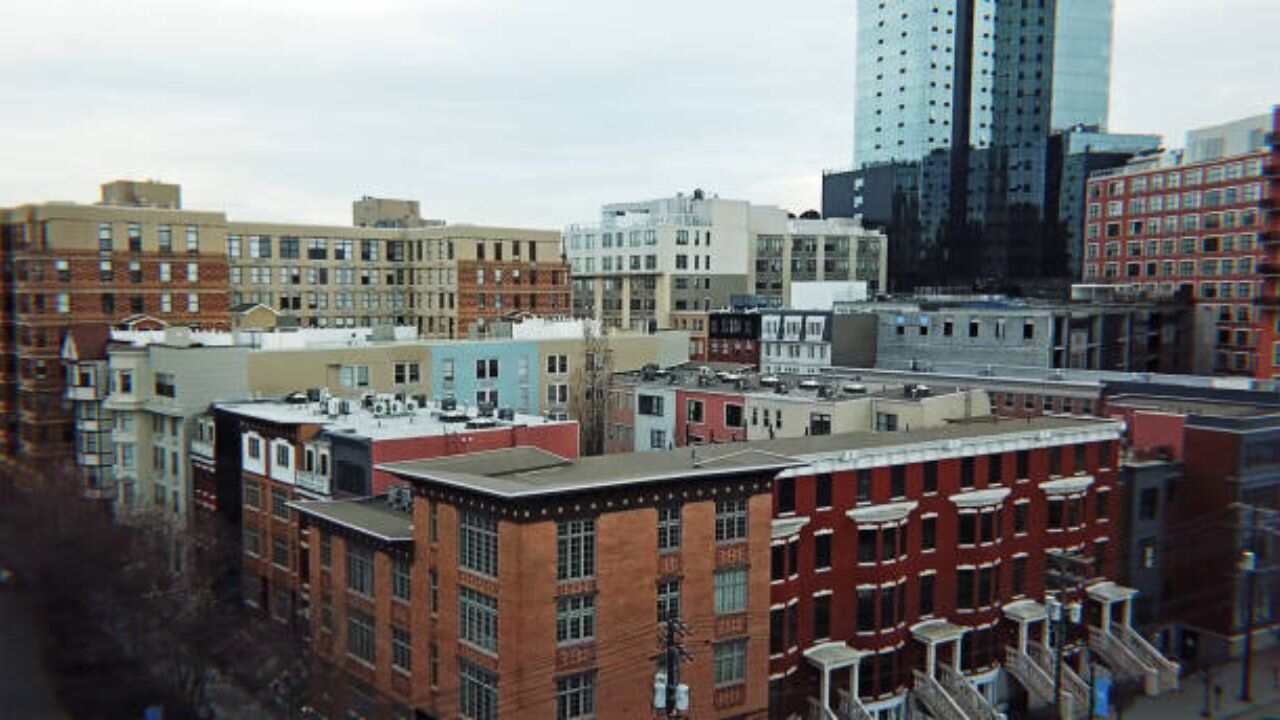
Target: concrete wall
x: 900, y: 340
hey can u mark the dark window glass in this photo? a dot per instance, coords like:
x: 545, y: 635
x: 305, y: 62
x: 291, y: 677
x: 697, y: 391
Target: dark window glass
x: 864, y: 485
x: 823, y: 491
x: 898, y: 481
x: 786, y: 495
x: 929, y: 533
x: 931, y: 476
x: 822, y: 617
x: 822, y: 551
x: 926, y: 594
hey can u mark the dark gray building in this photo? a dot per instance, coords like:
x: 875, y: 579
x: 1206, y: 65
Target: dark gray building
x: 952, y: 147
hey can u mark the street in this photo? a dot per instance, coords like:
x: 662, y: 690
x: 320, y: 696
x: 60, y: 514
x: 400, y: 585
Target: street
x: 1190, y: 701
x: 25, y: 689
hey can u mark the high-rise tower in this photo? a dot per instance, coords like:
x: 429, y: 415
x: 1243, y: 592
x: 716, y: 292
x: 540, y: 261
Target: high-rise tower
x: 956, y: 102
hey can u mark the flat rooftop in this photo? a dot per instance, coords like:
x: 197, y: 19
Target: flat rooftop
x: 741, y: 380
x: 371, y: 516
x: 530, y: 472
x: 428, y: 421
x: 1195, y: 406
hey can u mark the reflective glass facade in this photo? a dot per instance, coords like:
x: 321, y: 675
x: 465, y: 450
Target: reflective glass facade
x: 1082, y: 63
x: 958, y: 96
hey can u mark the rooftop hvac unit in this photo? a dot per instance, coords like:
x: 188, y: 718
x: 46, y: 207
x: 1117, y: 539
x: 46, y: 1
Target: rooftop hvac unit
x: 366, y: 401
x: 449, y: 404
x: 344, y: 407
x: 422, y: 399
x: 411, y: 405
x: 381, y: 407
x: 397, y: 407
x: 507, y: 414
x: 334, y: 406
x: 313, y: 394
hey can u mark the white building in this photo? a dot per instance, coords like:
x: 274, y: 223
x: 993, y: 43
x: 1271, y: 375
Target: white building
x: 646, y: 260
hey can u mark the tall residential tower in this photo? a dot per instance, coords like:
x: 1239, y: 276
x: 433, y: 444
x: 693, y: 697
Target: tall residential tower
x: 956, y: 103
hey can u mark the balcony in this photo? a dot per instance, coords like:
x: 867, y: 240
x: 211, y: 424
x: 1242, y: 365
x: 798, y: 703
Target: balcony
x: 202, y: 448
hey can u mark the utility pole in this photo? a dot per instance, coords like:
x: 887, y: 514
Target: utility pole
x: 1248, y: 564
x: 669, y: 694
x: 1067, y: 573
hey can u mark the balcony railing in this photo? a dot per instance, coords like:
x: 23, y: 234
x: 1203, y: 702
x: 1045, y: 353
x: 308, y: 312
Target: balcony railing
x: 966, y: 695
x: 1075, y: 690
x: 936, y: 699
x: 817, y: 711
x: 1123, y: 661
x: 851, y: 707
x: 1026, y: 671
x: 1167, y: 669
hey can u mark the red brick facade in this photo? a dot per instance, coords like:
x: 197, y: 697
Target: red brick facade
x: 1206, y: 227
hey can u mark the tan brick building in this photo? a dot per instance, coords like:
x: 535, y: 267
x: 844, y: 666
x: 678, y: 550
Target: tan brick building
x: 139, y: 254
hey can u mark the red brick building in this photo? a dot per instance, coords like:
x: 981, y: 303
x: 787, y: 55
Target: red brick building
x: 913, y: 561
x: 734, y: 337
x: 1164, y: 225
x: 538, y: 585
x: 65, y: 264
x: 287, y: 452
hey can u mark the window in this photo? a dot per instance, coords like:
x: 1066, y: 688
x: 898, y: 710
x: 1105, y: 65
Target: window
x: 487, y: 369
x: 650, y: 405
x: 477, y: 619
x: 1024, y: 463
x: 283, y: 452
x: 822, y: 551
x: 731, y: 520
x: 280, y: 504
x: 657, y: 439
x: 926, y: 594
x: 866, y: 609
x: 360, y: 569
x: 400, y: 577
x: 1148, y: 502
x: 821, y: 616
x: 575, y: 549
x: 668, y: 528
x: 252, y: 542
x: 823, y: 491
x: 252, y: 496
x: 966, y: 472
x: 354, y: 376
x: 786, y: 495
x: 730, y: 662
x: 1020, y: 517
x: 694, y: 411
x: 668, y: 600
x: 929, y: 533
x: 731, y: 591
x: 401, y: 649
x: 478, y: 543
x: 406, y: 372
x: 575, y: 618
x: 898, y: 481
x: 279, y: 552
x: 1055, y: 460
x: 1147, y: 551
x: 360, y: 636
x: 931, y: 476
x: 326, y: 551
x: 733, y: 416
x: 1101, y: 500
x: 1020, y: 575
x: 864, y: 485
x: 478, y: 692
x: 576, y: 697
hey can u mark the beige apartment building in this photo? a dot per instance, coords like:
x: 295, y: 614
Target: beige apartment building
x: 138, y: 256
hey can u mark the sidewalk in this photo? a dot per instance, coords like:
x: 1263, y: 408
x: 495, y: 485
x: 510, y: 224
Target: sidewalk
x: 1189, y: 701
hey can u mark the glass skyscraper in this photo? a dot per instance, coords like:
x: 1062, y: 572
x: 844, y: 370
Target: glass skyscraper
x: 956, y: 101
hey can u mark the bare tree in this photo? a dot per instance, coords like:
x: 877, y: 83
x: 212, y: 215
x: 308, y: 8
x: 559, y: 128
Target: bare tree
x: 588, y: 402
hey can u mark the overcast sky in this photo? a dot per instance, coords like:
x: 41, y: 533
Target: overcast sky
x: 531, y: 112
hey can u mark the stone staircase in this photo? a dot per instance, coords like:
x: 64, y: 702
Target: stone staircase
x: 1125, y: 662
x: 936, y: 700
x: 1167, y: 671
x: 1025, y: 670
x: 972, y: 702
x: 1075, y: 691
x: 851, y: 708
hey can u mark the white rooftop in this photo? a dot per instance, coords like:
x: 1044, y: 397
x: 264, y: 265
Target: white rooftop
x: 362, y: 422
x: 291, y: 339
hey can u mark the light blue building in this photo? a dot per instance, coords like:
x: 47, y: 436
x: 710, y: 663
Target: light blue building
x: 502, y: 373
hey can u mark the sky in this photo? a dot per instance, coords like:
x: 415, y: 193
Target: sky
x: 507, y: 112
